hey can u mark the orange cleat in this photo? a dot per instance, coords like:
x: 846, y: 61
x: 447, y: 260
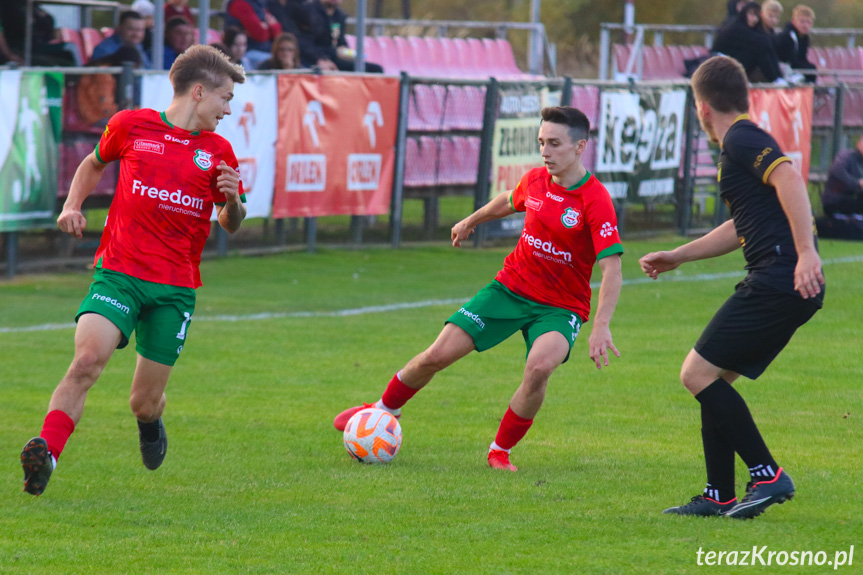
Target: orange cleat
x: 499, y: 459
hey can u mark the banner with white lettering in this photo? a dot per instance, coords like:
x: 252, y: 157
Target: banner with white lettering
x: 335, y: 152
x: 786, y: 114
x: 251, y: 129
x: 515, y: 149
x: 640, y: 142
x: 30, y: 129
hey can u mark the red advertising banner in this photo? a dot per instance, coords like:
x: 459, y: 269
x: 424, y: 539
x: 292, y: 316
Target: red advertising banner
x: 335, y: 151
x: 787, y: 115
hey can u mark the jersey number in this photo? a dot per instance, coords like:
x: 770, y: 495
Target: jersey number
x: 182, y: 334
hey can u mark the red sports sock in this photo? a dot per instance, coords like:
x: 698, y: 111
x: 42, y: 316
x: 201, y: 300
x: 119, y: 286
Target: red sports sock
x: 512, y: 428
x: 56, y: 431
x: 397, y: 394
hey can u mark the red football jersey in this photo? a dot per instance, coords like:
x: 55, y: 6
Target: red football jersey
x: 565, y: 232
x: 160, y: 215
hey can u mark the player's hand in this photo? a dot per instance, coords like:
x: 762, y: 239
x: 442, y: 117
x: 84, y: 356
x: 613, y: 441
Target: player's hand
x: 460, y: 232
x: 72, y: 221
x: 655, y: 263
x: 808, y: 277
x: 600, y: 342
x: 228, y: 182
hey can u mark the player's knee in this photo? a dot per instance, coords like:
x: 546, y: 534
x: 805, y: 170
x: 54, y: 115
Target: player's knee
x: 86, y: 368
x: 435, y: 359
x: 145, y: 408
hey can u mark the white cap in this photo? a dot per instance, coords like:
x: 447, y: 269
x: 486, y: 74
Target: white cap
x: 144, y: 7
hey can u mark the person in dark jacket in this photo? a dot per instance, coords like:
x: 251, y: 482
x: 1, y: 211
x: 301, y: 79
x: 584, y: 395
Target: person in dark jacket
x: 322, y: 38
x: 260, y: 26
x: 745, y: 40
x: 792, y: 44
x: 843, y: 192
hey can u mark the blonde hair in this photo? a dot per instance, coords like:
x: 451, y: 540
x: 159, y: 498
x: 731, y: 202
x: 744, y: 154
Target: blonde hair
x: 772, y: 6
x: 801, y: 10
x: 202, y: 64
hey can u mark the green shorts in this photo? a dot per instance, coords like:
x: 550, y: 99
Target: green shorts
x: 159, y: 314
x: 495, y: 313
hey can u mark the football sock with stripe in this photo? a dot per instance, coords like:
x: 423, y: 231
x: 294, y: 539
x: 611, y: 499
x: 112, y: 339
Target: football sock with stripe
x: 719, y: 459
x: 512, y: 428
x: 56, y: 431
x: 735, y: 423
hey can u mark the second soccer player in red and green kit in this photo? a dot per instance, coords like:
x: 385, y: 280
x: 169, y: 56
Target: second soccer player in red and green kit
x: 173, y: 170
x: 543, y: 289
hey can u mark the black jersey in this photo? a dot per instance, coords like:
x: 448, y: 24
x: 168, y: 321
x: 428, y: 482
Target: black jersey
x: 749, y: 156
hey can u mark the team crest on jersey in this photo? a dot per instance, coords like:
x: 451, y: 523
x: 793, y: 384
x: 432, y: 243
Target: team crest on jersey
x: 203, y: 160
x: 570, y: 217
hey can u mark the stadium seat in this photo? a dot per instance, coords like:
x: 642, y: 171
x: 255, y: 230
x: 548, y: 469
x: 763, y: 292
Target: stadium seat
x: 463, y: 108
x: 408, y: 57
x: 586, y: 99
x: 90, y: 38
x: 852, y: 110
x: 462, y: 64
x: 428, y: 57
x: 426, y: 106
x: 73, y: 37
x: 502, y: 55
x: 388, y: 54
x: 421, y: 156
x: 106, y: 31
x: 621, y: 57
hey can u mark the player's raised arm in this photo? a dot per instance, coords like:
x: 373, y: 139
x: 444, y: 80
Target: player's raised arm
x: 498, y: 207
x: 71, y: 220
x: 232, y: 214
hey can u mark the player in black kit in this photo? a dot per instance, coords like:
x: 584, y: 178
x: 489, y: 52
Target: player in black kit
x: 771, y: 219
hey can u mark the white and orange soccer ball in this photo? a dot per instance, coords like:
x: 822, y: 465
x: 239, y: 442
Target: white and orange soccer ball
x: 373, y: 436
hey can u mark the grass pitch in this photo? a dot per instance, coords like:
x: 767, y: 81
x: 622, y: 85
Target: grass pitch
x: 256, y: 480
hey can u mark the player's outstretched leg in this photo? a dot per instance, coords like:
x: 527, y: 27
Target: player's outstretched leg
x: 762, y: 494
x: 153, y: 441
x: 38, y: 465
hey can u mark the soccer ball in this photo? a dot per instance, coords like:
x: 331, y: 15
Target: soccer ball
x: 373, y: 436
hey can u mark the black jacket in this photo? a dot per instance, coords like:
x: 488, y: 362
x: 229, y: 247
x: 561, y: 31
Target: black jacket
x: 320, y: 33
x: 751, y: 47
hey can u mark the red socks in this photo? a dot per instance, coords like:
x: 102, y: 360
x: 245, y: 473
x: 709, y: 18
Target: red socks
x: 397, y: 394
x: 56, y: 431
x: 512, y: 429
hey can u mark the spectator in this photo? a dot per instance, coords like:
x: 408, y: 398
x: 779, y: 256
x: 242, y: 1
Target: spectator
x: 733, y: 8
x: 288, y: 13
x: 97, y: 93
x: 843, y: 192
x: 745, y: 40
x: 771, y: 15
x: 178, y: 8
x: 146, y: 9
x: 179, y: 36
x: 260, y: 26
x: 322, y: 38
x: 792, y: 44
x: 236, y: 44
x: 286, y: 54
x: 45, y: 51
x: 129, y: 32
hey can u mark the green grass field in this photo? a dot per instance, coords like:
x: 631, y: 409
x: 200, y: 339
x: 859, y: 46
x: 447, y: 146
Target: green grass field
x: 257, y: 481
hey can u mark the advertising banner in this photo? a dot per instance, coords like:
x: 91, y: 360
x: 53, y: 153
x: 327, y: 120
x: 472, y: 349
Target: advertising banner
x: 30, y: 125
x: 335, y: 152
x: 251, y: 130
x: 515, y: 149
x: 787, y: 115
x: 640, y: 141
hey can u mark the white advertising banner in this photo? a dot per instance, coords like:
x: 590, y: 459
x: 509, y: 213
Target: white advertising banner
x: 251, y: 129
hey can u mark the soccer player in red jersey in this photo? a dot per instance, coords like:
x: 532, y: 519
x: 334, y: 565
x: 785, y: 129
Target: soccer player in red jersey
x: 544, y: 286
x: 173, y: 170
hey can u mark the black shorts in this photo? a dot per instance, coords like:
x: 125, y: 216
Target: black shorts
x: 752, y: 327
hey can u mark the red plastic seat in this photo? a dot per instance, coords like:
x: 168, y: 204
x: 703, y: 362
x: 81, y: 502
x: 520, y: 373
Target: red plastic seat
x: 463, y: 108
x: 586, y: 99
x: 387, y: 53
x: 462, y: 66
x: 90, y: 38
x: 408, y: 58
x: 73, y: 36
x: 852, y: 110
x: 426, y: 107
x: 421, y: 157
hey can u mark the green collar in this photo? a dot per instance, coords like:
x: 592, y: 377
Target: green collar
x: 580, y: 182
x: 165, y: 119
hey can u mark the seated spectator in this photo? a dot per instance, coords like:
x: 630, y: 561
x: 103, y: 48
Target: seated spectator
x: 792, y: 44
x: 260, y: 26
x: 148, y: 11
x: 843, y: 192
x: 322, y: 38
x: 288, y: 13
x: 771, y: 15
x: 178, y: 8
x: 179, y: 35
x: 733, y: 8
x: 745, y: 40
x: 236, y: 44
x: 129, y: 32
x: 46, y: 50
x: 286, y: 54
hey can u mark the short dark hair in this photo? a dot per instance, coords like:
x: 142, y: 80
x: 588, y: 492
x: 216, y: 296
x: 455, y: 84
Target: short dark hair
x: 721, y: 82
x: 175, y: 22
x: 579, y: 125
x: 230, y: 34
x: 129, y: 15
x: 202, y: 64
